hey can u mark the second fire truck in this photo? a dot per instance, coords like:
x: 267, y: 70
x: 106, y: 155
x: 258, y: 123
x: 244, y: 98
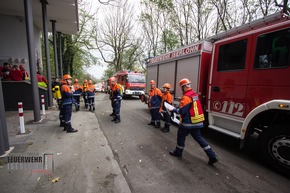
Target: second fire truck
x: 133, y: 83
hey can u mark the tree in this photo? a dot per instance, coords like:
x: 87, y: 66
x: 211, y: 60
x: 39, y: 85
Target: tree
x: 76, y: 49
x: 284, y: 5
x: 181, y: 21
x: 150, y: 17
x: 201, y: 12
x: 115, y: 38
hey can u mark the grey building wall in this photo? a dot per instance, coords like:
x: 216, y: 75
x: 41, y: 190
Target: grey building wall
x: 13, y: 40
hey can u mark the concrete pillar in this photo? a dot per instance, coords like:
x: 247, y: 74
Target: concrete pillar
x: 47, y: 55
x: 54, y: 47
x: 31, y: 58
x: 4, y: 140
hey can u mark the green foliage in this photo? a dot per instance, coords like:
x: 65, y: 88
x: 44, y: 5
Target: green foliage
x: 169, y: 41
x: 76, y: 49
x: 163, y: 4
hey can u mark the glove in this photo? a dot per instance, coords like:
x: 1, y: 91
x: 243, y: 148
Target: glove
x: 72, y: 88
x: 174, y: 110
x: 86, y: 97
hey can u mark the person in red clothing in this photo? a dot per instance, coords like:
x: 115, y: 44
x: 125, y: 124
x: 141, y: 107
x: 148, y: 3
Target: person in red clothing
x: 166, y: 97
x: 24, y: 72
x: 5, y: 72
x: 42, y: 82
x: 16, y: 74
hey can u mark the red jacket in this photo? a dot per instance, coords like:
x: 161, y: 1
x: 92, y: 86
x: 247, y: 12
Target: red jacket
x: 41, y: 78
x: 16, y: 75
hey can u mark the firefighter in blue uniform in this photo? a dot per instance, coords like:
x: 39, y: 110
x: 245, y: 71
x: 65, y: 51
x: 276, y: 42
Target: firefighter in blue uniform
x: 77, y: 94
x: 67, y: 101
x: 90, y: 94
x: 84, y: 88
x: 166, y: 97
x: 111, y: 96
x: 191, y: 122
x: 116, y: 98
x: 155, y: 99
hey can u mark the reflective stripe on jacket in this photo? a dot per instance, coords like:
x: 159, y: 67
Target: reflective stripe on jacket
x: 78, y: 89
x: 190, y: 110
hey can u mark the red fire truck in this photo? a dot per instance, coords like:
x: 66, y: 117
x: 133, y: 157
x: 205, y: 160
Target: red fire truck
x: 242, y: 77
x: 133, y: 83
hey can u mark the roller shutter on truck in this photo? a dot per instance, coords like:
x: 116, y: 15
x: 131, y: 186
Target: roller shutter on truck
x: 166, y: 74
x: 151, y: 75
x: 188, y: 68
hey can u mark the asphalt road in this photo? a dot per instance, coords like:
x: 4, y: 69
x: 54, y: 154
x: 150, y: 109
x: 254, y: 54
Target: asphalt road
x: 142, y: 153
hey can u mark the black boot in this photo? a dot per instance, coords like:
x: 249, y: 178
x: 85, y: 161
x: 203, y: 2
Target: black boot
x: 93, y: 108
x: 175, y: 153
x: 69, y: 128
x: 213, y: 160
x: 117, y: 121
x: 90, y: 108
x: 152, y: 123
x: 72, y: 130
x: 166, y: 128
x: 64, y: 128
x: 61, y: 124
x: 157, y: 125
x: 112, y: 114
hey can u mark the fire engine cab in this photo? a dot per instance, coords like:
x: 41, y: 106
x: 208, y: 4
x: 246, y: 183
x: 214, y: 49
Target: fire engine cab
x: 133, y: 83
x: 242, y: 77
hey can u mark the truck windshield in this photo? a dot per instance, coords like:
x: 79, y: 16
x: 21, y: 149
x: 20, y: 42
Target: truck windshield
x: 136, y: 78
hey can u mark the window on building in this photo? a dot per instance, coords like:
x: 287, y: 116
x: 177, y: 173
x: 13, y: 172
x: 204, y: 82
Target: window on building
x: 232, y: 56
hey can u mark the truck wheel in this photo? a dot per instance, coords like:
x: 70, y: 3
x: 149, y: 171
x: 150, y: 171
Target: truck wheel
x: 274, y: 147
x: 142, y: 98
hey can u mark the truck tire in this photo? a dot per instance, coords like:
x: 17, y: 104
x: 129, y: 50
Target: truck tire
x: 274, y: 147
x: 142, y: 98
